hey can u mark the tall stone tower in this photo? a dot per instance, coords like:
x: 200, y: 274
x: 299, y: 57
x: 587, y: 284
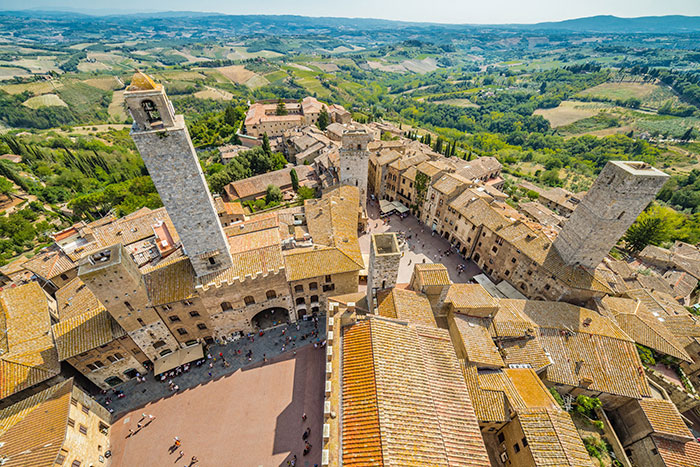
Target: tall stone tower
x: 165, y: 146
x: 620, y: 193
x: 384, y: 258
x: 354, y: 161
x: 113, y: 277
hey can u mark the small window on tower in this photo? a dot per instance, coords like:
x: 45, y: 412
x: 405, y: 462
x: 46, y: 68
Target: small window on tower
x: 151, y: 111
x: 212, y: 260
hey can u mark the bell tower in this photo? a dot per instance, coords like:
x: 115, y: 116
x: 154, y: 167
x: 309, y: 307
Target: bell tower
x: 166, y: 148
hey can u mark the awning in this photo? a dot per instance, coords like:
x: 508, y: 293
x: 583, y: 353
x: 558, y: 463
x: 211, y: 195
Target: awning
x: 400, y: 208
x: 177, y: 358
x: 386, y: 206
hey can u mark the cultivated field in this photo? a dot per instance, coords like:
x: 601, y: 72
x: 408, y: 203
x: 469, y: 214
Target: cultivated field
x: 458, y: 103
x: 213, y: 93
x: 116, y: 107
x: 569, y: 112
x: 36, y: 88
x: 46, y: 100
x: 236, y: 73
x: 651, y: 95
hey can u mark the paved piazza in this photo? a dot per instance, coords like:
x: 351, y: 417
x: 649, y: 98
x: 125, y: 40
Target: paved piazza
x: 422, y: 246
x: 252, y: 417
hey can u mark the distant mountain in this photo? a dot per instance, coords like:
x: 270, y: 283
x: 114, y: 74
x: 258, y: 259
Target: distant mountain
x: 614, y: 24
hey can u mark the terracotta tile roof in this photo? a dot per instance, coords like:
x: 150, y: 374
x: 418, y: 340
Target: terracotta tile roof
x: 425, y: 414
x: 677, y: 454
x: 553, y: 439
x: 256, y: 186
x: 307, y: 263
x: 586, y: 348
x: 405, y: 305
x: 432, y: 274
x: 681, y: 282
x: 173, y: 281
x: 450, y: 184
x: 530, y: 389
x: 477, y: 341
x: 360, y: 424
x: 480, y: 167
x: 15, y: 266
x: 466, y: 296
x: 29, y: 355
x: 665, y: 420
x: 255, y: 223
x: 50, y: 263
x: 74, y: 299
x: 489, y: 406
x: 640, y: 324
x: 36, y: 439
x: 134, y: 227
x: 84, y: 332
x: 387, y: 156
x: 429, y: 168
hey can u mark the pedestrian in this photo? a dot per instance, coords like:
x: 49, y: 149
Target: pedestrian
x: 221, y: 354
x: 143, y: 415
x: 303, y: 417
x: 264, y: 358
x: 131, y: 432
x: 138, y: 425
x: 306, y: 433
x: 307, y: 448
x: 150, y: 419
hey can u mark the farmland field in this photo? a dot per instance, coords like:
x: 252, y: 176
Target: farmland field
x: 458, y: 103
x: 236, y: 73
x: 213, y: 93
x: 46, y: 100
x: 116, y: 107
x: 651, y: 95
x: 36, y: 88
x: 569, y: 112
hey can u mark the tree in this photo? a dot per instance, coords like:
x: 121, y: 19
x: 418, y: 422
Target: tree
x: 295, y: 180
x: 266, y: 145
x: 230, y: 116
x: 273, y: 194
x: 281, y: 108
x: 323, y: 119
x: 306, y: 193
x: 650, y: 228
x: 6, y: 187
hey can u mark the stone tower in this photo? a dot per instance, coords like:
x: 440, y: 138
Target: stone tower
x: 113, y: 277
x: 620, y: 193
x: 354, y: 161
x: 383, y: 269
x: 165, y: 146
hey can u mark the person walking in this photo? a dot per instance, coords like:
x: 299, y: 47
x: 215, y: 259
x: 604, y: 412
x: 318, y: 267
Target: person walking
x: 306, y: 433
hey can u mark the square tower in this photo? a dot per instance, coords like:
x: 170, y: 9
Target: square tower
x: 165, y: 146
x: 620, y: 193
x: 113, y: 277
x: 383, y: 269
x: 354, y: 161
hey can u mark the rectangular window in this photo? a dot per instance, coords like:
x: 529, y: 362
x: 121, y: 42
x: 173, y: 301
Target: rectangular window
x: 61, y: 458
x: 201, y: 326
x: 74, y: 401
x: 85, y: 409
x: 182, y: 331
x: 82, y: 429
x: 128, y: 306
x: 501, y: 437
x: 516, y: 447
x: 328, y: 278
x: 174, y: 318
x: 71, y: 422
x: 76, y: 463
x: 194, y: 314
x: 524, y: 441
x: 98, y: 364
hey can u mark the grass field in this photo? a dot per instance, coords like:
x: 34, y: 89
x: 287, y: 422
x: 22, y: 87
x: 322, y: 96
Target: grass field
x: 458, y: 103
x: 108, y: 83
x: 46, y: 100
x: 256, y: 81
x: 10, y: 72
x: 213, y: 93
x: 651, y: 95
x: 569, y: 112
x: 84, y: 100
x: 275, y: 76
x: 236, y: 73
x: 116, y: 107
x: 36, y: 88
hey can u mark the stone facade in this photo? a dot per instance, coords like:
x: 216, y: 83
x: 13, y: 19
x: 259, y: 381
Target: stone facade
x: 87, y: 433
x: 165, y: 146
x: 114, y: 279
x: 188, y: 320
x: 620, y: 193
x: 112, y: 363
x: 354, y: 160
x: 383, y: 268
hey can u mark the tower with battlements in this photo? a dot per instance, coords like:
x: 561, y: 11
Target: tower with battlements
x: 166, y: 148
x: 354, y: 161
x: 620, y: 193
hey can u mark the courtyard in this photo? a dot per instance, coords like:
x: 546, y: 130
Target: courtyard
x: 423, y: 247
x: 251, y: 417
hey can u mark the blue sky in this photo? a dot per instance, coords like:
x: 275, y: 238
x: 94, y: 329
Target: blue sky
x: 444, y: 11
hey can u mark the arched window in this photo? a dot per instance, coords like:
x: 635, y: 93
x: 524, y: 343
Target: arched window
x: 300, y: 301
x: 226, y: 306
x: 271, y: 294
x: 313, y: 285
x: 299, y: 288
x: 249, y: 300
x: 151, y: 111
x: 314, y: 299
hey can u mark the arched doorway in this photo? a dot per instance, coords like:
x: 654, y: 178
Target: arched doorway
x: 270, y: 317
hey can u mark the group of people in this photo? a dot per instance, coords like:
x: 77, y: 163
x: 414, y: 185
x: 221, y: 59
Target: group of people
x: 146, y: 419
x: 176, y: 446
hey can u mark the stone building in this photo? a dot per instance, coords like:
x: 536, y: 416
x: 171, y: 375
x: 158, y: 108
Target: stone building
x: 434, y: 282
x: 559, y: 200
x: 112, y: 276
x: 91, y: 341
x: 262, y: 116
x: 620, y: 193
x: 165, y: 146
x: 354, y: 160
x: 61, y: 425
x: 384, y: 258
x: 52, y: 268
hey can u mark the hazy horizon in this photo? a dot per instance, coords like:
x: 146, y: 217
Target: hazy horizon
x: 440, y: 11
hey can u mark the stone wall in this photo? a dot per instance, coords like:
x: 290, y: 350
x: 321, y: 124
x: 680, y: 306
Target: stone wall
x: 128, y: 355
x: 178, y: 177
x: 617, y: 197
x: 354, y: 161
x: 187, y: 320
x: 87, y: 448
x: 383, y: 268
